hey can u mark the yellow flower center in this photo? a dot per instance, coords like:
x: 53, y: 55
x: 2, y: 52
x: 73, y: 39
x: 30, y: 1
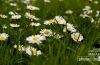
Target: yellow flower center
x: 46, y: 31
x: 32, y: 15
x: 51, y: 21
x: 2, y: 38
x: 76, y: 37
x: 34, y: 52
x: 31, y: 7
x: 35, y: 38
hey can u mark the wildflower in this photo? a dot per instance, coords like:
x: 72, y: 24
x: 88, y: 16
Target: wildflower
x: 48, y: 22
x: 17, y: 16
x: 11, y: 13
x: 35, y: 39
x: 4, y: 27
x: 25, y: 1
x: 84, y: 15
x: 36, y: 52
x: 64, y: 29
x: 3, y: 16
x: 35, y: 24
x: 14, y: 25
x: 77, y: 37
x: 97, y: 13
x: 19, y: 47
x: 33, y: 51
x: 96, y: 2
x: 60, y: 20
x: 70, y: 27
x: 47, y: 1
x: 30, y: 16
x: 57, y: 36
x: 69, y: 12
x: 46, y: 32
x: 13, y: 4
x: 3, y: 36
x: 87, y: 10
x: 30, y: 7
x: 91, y: 0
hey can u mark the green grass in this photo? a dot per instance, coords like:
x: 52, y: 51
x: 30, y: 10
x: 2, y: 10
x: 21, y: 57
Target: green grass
x: 64, y: 51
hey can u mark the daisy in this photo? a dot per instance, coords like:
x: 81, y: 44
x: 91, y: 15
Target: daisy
x: 96, y: 2
x: 30, y: 16
x: 46, y: 32
x: 60, y: 20
x: 36, y: 52
x: 35, y: 24
x: 97, y: 13
x: 4, y: 27
x: 3, y: 36
x: 69, y: 12
x: 19, y: 47
x: 33, y: 51
x: 3, y: 16
x: 48, y: 22
x: 13, y: 4
x: 87, y: 10
x: 35, y: 39
x: 25, y: 1
x: 17, y: 16
x: 11, y: 13
x: 47, y: 1
x: 28, y: 50
x: 77, y: 37
x: 30, y: 7
x: 14, y: 25
x: 70, y: 27
x: 57, y: 36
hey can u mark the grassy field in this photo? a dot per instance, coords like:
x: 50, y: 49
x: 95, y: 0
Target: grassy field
x: 49, y: 32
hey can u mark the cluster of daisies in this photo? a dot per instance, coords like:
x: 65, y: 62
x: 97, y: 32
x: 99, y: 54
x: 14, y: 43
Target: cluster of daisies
x: 45, y: 33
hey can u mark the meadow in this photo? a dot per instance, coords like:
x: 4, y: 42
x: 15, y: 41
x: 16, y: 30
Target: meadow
x: 49, y: 32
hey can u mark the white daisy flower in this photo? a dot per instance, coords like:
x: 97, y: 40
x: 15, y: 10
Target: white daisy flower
x: 11, y: 13
x: 28, y: 50
x: 87, y: 10
x: 3, y: 16
x: 97, y: 13
x: 84, y: 15
x: 46, y: 32
x: 39, y: 53
x: 70, y: 27
x: 35, y: 24
x: 14, y: 25
x: 77, y: 37
x: 30, y: 16
x: 35, y: 39
x: 33, y: 51
x: 13, y: 4
x: 64, y: 29
x: 96, y: 2
x: 60, y: 20
x: 19, y: 47
x: 48, y: 22
x: 91, y: 0
x: 4, y: 27
x: 69, y: 12
x: 30, y: 7
x: 25, y: 1
x: 47, y: 1
x: 57, y: 36
x: 17, y: 16
x: 3, y: 36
